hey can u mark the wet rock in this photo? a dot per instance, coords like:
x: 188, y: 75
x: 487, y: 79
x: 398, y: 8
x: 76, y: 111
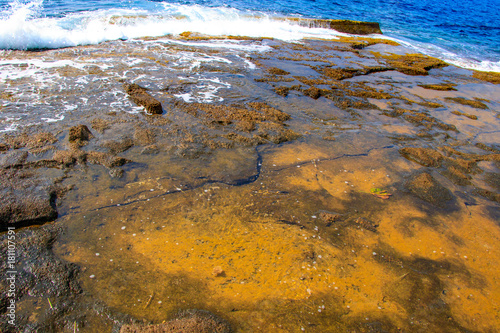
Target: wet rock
x: 26, y: 200
x: 30, y: 140
x: 13, y: 159
x: 70, y: 157
x: 425, y: 156
x: 144, y: 136
x: 150, y: 150
x: 141, y: 97
x: 116, y: 147
x: 428, y: 189
x: 189, y: 321
x: 79, y: 134
x: 107, y: 160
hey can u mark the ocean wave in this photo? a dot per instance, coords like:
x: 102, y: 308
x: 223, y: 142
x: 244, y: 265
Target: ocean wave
x: 23, y: 27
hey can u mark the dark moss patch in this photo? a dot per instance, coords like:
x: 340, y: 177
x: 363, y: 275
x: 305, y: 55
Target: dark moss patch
x: 339, y: 73
x: 68, y: 158
x: 491, y: 77
x: 456, y: 175
x: 432, y: 105
x: 425, y: 156
x: 470, y: 116
x: 312, y: 92
x: 28, y: 140
x: 428, y: 189
x: 274, y: 78
x: 441, y: 87
x: 144, y: 136
x: 255, y: 117
x: 283, y: 91
x: 473, y: 103
x: 100, y: 125
x: 492, y: 196
x: 79, y: 135
x: 277, y: 71
x: 413, y: 64
x: 487, y: 148
x: 493, y: 179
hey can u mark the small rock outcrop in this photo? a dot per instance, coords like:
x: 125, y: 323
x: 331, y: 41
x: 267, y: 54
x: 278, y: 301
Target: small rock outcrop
x: 141, y: 97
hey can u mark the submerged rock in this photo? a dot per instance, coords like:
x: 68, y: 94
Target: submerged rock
x: 329, y: 217
x: 189, y: 321
x: 428, y: 189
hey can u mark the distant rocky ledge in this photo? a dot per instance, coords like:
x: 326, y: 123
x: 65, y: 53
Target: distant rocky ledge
x: 345, y: 26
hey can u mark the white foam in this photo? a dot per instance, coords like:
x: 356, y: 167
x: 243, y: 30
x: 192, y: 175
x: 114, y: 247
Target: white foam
x: 16, y: 69
x: 21, y: 28
x: 59, y: 117
x: 450, y: 57
x: 221, y: 44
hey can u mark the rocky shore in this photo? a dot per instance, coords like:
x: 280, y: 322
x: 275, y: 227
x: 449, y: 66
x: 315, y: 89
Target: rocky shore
x: 343, y: 185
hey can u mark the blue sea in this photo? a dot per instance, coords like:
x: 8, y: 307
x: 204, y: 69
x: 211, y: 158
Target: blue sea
x: 465, y: 33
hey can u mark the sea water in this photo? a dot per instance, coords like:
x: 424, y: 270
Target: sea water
x: 465, y: 33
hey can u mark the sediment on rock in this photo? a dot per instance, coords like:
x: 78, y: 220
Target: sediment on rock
x: 141, y: 97
x: 428, y: 189
x: 189, y: 321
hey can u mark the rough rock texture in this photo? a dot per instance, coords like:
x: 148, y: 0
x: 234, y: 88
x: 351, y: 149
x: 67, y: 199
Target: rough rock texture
x: 189, y: 321
x: 141, y: 97
x: 40, y: 276
x: 425, y: 156
x: 428, y: 189
x: 26, y: 200
x: 13, y: 159
x: 79, y: 134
